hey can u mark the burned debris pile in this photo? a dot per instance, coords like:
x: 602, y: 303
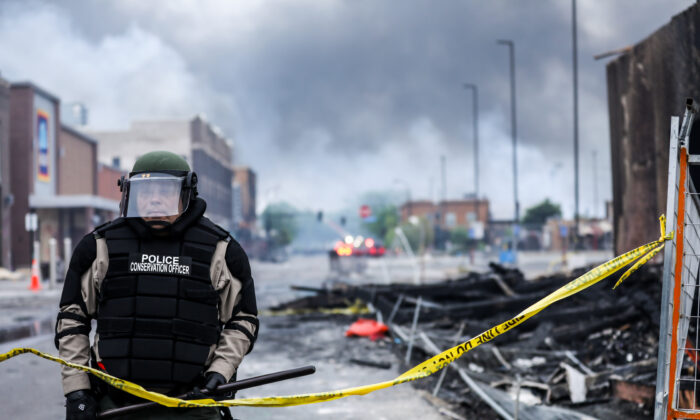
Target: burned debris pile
x: 592, y: 355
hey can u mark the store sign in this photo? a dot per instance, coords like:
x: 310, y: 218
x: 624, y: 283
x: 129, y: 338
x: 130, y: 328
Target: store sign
x: 43, y: 152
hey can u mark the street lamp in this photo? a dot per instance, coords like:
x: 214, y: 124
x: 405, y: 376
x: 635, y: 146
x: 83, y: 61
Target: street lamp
x: 513, y: 126
x: 475, y: 110
x: 514, y: 131
x: 575, y: 66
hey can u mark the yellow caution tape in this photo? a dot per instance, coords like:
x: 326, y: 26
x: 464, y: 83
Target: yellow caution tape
x: 641, y: 255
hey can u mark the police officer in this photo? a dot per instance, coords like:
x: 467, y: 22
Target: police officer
x: 171, y: 293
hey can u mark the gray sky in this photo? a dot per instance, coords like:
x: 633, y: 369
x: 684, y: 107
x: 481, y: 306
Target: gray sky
x: 327, y: 99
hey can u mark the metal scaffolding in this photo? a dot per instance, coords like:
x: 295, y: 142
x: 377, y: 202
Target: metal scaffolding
x: 678, y: 383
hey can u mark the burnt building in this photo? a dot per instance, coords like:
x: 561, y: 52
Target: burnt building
x: 646, y: 86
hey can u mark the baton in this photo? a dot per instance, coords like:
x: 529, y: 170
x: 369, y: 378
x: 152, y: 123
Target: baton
x: 231, y: 386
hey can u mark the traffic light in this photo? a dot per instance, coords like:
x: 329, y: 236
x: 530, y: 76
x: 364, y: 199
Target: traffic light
x: 319, y: 216
x: 342, y: 220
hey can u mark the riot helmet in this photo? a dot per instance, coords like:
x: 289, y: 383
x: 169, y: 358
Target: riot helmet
x: 159, y: 188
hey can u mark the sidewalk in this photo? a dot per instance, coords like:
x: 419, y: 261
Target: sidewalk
x: 24, y: 313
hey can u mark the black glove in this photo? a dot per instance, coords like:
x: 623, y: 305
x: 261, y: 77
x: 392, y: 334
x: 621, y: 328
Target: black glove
x: 81, y: 405
x: 211, y: 381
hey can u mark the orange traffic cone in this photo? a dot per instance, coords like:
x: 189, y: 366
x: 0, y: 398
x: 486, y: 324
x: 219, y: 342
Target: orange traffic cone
x: 35, y: 284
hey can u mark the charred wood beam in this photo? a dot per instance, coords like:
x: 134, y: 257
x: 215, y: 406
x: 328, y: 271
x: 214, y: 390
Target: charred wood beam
x: 567, y: 333
x: 510, y: 303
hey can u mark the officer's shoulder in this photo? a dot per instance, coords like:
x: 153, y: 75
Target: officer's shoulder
x: 212, y: 228
x: 84, y: 253
x: 99, y: 231
x: 234, y: 247
x: 236, y: 258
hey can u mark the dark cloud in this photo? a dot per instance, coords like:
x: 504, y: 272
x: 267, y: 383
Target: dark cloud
x: 328, y: 99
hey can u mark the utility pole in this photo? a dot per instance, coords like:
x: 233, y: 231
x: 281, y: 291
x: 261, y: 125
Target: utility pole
x: 575, y: 65
x: 475, y: 113
x: 514, y: 134
x: 513, y: 126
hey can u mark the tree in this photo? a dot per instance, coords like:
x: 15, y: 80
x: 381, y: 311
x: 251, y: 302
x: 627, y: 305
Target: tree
x: 387, y: 218
x: 279, y: 220
x: 539, y: 213
x: 459, y: 237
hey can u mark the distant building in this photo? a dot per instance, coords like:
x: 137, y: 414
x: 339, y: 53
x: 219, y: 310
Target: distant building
x: 107, y: 177
x: 202, y: 144
x: 237, y: 207
x: 448, y: 214
x: 245, y: 181
x: 54, y: 174
x: 78, y: 206
x: 5, y: 190
x: 558, y: 234
x: 420, y: 208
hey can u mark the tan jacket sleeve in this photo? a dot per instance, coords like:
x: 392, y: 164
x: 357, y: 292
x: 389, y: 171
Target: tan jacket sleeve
x: 73, y: 342
x: 233, y: 343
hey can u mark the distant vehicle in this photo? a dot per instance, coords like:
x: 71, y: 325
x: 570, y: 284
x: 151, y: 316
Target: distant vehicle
x: 364, y: 247
x: 351, y: 255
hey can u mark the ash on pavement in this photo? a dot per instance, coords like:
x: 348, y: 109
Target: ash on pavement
x: 287, y: 342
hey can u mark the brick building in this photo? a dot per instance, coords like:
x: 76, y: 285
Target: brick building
x: 448, y: 214
x: 6, y: 197
x: 107, y: 177
x: 54, y: 174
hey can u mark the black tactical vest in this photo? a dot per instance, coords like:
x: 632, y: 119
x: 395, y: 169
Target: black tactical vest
x: 157, y: 314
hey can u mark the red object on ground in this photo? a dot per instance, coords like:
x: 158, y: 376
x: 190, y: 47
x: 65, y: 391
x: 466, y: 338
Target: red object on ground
x: 367, y: 328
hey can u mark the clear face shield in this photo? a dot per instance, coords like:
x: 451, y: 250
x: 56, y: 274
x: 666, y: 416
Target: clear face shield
x: 154, y: 196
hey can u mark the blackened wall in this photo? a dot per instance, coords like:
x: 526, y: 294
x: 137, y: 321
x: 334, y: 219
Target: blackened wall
x: 645, y: 88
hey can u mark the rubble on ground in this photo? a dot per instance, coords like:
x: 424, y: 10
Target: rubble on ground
x: 592, y: 355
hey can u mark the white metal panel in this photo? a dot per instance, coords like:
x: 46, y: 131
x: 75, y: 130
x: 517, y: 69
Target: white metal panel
x: 666, y: 312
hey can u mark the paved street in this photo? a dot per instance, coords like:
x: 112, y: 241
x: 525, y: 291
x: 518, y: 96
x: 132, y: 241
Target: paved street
x: 28, y: 377
x: 32, y: 385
